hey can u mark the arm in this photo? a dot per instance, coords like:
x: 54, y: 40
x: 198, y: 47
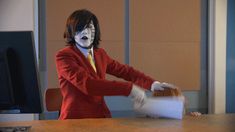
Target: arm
x: 79, y: 77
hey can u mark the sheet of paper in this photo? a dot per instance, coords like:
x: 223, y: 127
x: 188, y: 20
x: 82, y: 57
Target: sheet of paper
x: 168, y: 107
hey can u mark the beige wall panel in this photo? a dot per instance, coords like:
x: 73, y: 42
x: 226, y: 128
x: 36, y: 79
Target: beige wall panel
x: 116, y: 51
x: 111, y: 18
x: 110, y: 14
x: 172, y: 62
x: 165, y: 40
x: 165, y: 20
x: 54, y: 47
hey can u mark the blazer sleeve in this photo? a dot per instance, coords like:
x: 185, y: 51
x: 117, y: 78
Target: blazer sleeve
x: 68, y: 68
x: 128, y: 73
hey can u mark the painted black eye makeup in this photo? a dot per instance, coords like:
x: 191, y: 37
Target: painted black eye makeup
x: 80, y: 28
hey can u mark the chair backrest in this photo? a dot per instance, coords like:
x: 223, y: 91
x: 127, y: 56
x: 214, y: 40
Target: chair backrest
x: 53, y: 99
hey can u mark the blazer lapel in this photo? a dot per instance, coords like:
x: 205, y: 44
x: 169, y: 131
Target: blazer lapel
x: 87, y: 63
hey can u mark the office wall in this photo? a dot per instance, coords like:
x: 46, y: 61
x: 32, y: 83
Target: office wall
x: 142, y: 16
x: 19, y: 15
x: 176, y: 31
x: 165, y: 40
x: 16, y: 15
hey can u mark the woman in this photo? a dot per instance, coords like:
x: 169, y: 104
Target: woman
x: 81, y: 68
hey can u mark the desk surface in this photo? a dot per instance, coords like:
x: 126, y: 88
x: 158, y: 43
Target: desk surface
x: 204, y: 123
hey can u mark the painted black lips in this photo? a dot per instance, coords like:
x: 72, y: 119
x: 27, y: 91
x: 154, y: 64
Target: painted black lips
x: 84, y: 37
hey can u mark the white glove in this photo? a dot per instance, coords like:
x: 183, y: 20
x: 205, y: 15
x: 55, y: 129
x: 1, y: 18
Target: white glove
x: 138, y: 95
x: 160, y: 86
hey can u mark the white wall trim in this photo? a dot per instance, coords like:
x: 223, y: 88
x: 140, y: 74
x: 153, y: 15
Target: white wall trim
x: 217, y: 56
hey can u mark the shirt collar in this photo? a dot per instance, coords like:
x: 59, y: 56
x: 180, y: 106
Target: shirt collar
x: 85, y: 51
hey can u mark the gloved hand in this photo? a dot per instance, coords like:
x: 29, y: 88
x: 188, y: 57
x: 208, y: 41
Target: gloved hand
x: 160, y: 86
x: 138, y: 95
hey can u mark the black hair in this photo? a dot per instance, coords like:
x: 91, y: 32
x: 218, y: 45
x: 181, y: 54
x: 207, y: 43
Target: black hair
x: 76, y: 22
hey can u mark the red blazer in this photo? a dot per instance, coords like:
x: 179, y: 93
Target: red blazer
x: 83, y: 89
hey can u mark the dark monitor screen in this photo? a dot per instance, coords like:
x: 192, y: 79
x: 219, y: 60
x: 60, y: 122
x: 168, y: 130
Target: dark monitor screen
x: 19, y: 82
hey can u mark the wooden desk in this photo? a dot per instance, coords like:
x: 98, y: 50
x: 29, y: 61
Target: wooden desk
x: 204, y: 123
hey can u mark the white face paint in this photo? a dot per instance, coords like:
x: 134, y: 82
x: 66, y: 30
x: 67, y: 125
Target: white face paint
x: 85, y: 37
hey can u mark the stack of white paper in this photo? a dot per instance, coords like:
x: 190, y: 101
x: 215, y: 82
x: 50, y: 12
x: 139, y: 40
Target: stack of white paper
x: 168, y: 107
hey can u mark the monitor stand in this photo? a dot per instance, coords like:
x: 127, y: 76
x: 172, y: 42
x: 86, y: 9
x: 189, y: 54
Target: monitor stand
x: 15, y: 129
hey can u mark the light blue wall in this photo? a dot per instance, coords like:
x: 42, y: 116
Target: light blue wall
x: 230, y: 68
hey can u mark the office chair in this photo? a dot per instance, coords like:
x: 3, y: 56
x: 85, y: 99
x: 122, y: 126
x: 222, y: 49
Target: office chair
x: 53, y: 99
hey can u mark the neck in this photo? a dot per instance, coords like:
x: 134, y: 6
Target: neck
x: 89, y: 47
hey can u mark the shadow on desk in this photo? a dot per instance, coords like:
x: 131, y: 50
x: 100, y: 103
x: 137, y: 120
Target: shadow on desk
x: 115, y: 114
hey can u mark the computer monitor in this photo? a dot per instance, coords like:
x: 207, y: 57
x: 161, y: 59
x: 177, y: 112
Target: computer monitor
x: 19, y: 81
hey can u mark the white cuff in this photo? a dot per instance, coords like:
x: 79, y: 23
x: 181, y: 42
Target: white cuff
x: 154, y: 83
